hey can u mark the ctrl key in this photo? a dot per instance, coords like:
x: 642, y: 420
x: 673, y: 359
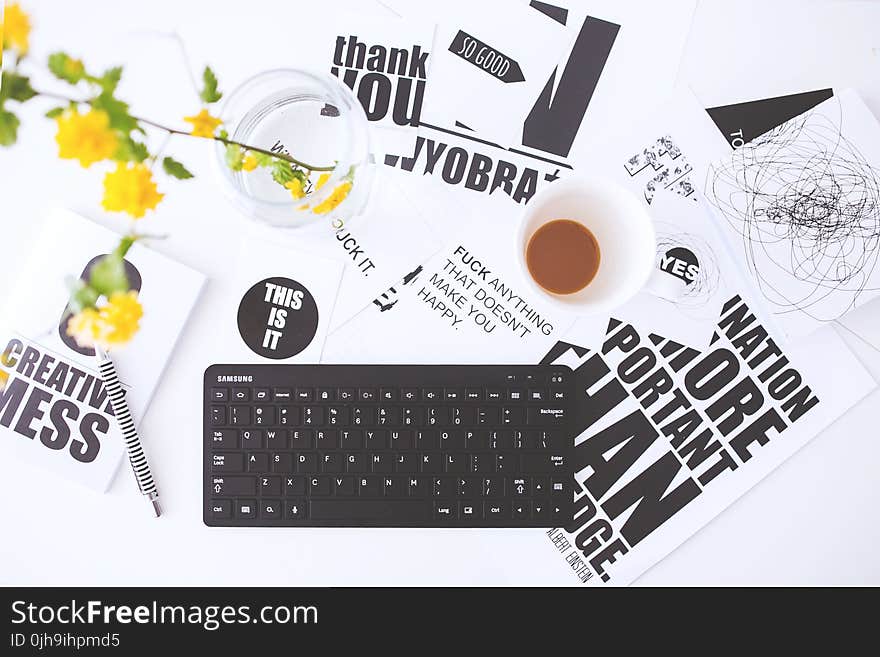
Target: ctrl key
x: 221, y: 509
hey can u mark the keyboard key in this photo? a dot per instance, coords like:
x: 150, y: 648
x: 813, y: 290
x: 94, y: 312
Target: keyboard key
x: 561, y: 488
x: 276, y: 439
x: 452, y: 440
x: 332, y: 462
x: 417, y: 487
x: 394, y: 486
x: 262, y: 394
x: 370, y: 486
x: 240, y: 415
x: 257, y: 462
x: 367, y: 394
x: 541, y: 462
x: 363, y: 416
x: 477, y: 439
x: 264, y: 415
x: 319, y: 485
x: 388, y: 394
x: 468, y: 487
x: 306, y: 463
x: 463, y: 416
x: 282, y: 463
x: 490, y: 415
x: 301, y: 439
x: 502, y: 464
x: 515, y: 394
x: 525, y: 439
x: 313, y: 416
x: 473, y: 394
x: 456, y: 463
x: 412, y: 416
x: 493, y: 487
x: 537, y: 395
x: 494, y: 394
x: 431, y: 463
x: 406, y: 463
x: 338, y: 415
x: 401, y: 439
x: 513, y: 415
x: 296, y: 510
x: 246, y: 509
x: 557, y: 395
x: 224, y: 439
x: 218, y: 415
x: 545, y: 415
x: 251, y: 439
x: 453, y: 394
x: 388, y: 416
x: 282, y: 394
x: 303, y: 395
x: 375, y: 440
x: 482, y: 463
x: 445, y: 511
x: 345, y: 486
x: 221, y: 509
x: 432, y: 394
x: 241, y: 394
x: 229, y: 486
x: 540, y: 486
x: 270, y: 486
x: 540, y: 510
x: 326, y: 394
x: 427, y: 439
x: 288, y: 416
x: 355, y: 462
x: 559, y: 513
x: 229, y: 463
x: 496, y: 512
x: 219, y: 394
x: 345, y: 394
x: 521, y: 487
x: 270, y: 509
x: 382, y: 463
x: 388, y: 511
x: 500, y: 439
x: 294, y: 486
x: 326, y: 439
x: 470, y: 510
x: 521, y: 511
x: 409, y: 394
x: 444, y: 487
x: 351, y: 439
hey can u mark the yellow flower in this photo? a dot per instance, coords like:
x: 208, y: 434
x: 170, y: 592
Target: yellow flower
x: 112, y: 325
x: 203, y: 123
x: 74, y: 67
x: 296, y: 188
x: 85, y: 137
x: 322, y: 179
x: 332, y: 201
x: 249, y: 163
x: 15, y: 29
x: 130, y: 188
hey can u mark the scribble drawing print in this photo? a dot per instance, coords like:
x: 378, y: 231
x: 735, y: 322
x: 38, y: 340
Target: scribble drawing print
x: 704, y: 286
x: 806, y: 205
x: 666, y: 166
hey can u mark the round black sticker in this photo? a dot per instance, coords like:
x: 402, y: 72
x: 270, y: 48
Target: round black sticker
x: 277, y: 318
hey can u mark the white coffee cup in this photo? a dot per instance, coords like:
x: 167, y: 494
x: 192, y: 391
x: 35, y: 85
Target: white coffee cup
x: 623, y: 230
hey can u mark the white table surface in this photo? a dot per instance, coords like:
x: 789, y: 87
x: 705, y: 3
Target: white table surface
x: 814, y: 521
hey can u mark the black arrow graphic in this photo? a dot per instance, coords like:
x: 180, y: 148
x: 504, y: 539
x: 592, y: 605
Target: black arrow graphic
x: 486, y: 58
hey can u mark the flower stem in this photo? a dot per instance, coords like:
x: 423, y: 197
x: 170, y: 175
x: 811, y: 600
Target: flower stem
x: 224, y: 140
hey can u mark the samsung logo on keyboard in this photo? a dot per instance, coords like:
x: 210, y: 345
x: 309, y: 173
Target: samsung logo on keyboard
x: 235, y: 378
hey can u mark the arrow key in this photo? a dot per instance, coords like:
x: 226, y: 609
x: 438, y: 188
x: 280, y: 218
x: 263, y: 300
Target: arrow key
x: 541, y: 510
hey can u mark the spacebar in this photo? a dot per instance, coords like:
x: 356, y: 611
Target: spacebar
x: 399, y: 510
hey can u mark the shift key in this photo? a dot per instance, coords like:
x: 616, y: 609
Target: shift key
x: 233, y: 486
x: 545, y: 415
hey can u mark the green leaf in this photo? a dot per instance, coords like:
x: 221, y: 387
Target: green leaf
x: 234, y: 157
x: 8, y: 127
x: 209, y: 92
x: 263, y: 159
x: 16, y: 87
x: 108, y: 275
x: 110, y: 80
x: 174, y: 168
x: 82, y: 296
x: 54, y: 113
x: 282, y: 173
x: 130, y: 150
x: 64, y: 67
x: 117, y: 110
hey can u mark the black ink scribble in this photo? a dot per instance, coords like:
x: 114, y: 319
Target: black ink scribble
x: 806, y: 205
x: 703, y: 288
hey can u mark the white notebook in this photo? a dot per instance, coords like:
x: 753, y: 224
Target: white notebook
x: 54, y: 410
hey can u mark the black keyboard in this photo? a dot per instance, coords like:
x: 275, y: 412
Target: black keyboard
x: 387, y: 445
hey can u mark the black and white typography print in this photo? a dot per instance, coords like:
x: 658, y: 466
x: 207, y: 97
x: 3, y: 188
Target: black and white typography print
x: 659, y: 423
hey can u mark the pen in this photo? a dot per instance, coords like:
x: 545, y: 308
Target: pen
x: 136, y: 455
